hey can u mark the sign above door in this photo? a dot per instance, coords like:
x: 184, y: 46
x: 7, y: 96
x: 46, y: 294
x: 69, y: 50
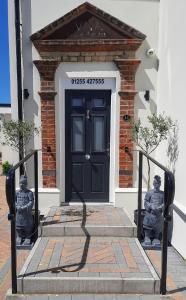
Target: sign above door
x: 89, y: 81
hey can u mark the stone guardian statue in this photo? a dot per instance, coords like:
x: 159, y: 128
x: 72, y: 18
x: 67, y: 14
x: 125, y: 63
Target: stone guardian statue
x: 24, y: 218
x: 153, y: 219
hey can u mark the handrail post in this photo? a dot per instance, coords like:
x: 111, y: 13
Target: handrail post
x: 139, y: 194
x: 12, y: 218
x: 163, y: 288
x: 11, y: 201
x: 169, y: 190
x: 36, y: 191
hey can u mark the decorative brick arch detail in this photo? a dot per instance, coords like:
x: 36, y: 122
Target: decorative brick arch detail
x: 54, y: 51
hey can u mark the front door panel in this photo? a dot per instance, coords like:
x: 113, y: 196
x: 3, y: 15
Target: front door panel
x: 87, y: 144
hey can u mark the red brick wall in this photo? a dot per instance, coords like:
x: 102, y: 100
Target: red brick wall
x: 125, y: 140
x: 47, y: 71
x: 127, y: 68
x: 48, y: 142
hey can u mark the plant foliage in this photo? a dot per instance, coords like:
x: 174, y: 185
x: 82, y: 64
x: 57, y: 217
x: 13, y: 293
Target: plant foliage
x: 6, y: 166
x: 17, y: 134
x: 149, y: 137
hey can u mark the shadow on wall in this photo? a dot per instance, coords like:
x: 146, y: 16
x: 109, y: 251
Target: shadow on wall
x: 173, y: 148
x: 136, y: 168
x: 172, y: 155
x: 146, y: 74
x: 146, y: 79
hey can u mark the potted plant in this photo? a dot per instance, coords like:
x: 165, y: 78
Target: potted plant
x: 17, y: 134
x: 149, y: 137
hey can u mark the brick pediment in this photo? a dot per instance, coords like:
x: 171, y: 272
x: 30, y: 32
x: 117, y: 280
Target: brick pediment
x: 87, y: 26
x: 87, y: 22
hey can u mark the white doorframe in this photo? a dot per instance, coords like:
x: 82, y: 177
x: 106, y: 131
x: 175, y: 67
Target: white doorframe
x: 64, y: 74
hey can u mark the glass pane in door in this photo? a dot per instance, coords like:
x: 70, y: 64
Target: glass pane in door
x: 77, y: 134
x: 98, y: 103
x: 98, y: 134
x: 77, y: 102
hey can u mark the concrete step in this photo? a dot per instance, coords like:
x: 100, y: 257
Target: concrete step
x: 89, y: 285
x: 57, y: 230
x: 78, y: 220
x: 88, y: 265
x: 86, y: 297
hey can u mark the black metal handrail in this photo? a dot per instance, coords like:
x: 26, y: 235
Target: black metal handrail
x: 10, y: 196
x: 169, y: 190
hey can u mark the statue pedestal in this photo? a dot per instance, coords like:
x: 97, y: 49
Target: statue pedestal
x: 150, y: 247
x: 25, y: 247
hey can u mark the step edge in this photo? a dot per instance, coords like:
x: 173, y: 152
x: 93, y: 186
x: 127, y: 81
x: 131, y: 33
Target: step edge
x: 88, y: 226
x: 25, y: 266
x: 129, y: 217
x: 147, y: 260
x: 88, y: 285
x: 88, y: 278
x: 10, y: 296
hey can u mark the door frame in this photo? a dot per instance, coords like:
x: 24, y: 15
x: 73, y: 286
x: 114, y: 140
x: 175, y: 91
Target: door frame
x: 64, y: 74
x: 87, y: 93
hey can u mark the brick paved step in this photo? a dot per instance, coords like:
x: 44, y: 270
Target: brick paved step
x: 88, y: 220
x: 88, y: 265
x: 86, y: 297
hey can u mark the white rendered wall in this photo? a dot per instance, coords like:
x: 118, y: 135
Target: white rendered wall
x: 171, y: 99
x: 12, y: 58
x: 140, y: 14
x: 7, y: 153
x: 31, y: 106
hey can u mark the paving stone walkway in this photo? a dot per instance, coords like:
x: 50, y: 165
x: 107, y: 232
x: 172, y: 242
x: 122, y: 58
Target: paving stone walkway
x: 176, y: 278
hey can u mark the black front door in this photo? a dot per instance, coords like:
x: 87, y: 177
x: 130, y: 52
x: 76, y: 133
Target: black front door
x: 87, y: 144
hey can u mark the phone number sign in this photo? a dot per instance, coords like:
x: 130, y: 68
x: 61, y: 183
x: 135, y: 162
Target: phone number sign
x: 88, y: 81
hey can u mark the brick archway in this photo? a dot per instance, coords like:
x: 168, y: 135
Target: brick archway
x: 116, y: 42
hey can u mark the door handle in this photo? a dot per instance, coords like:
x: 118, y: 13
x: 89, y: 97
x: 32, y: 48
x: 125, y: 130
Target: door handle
x: 87, y: 156
x: 88, y: 114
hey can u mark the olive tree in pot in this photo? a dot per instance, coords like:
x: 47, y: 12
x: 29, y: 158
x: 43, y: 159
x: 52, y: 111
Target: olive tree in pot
x: 149, y: 137
x: 17, y: 135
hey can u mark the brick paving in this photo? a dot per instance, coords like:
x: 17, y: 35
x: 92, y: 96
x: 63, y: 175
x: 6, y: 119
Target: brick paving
x: 98, y: 257
x: 176, y: 272
x: 106, y: 215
